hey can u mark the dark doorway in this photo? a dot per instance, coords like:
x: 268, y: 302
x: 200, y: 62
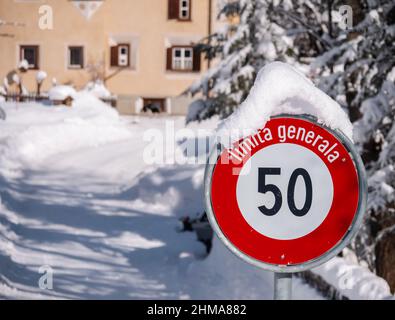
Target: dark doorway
x: 155, y: 105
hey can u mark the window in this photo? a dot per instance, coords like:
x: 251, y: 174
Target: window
x: 179, y: 9
x: 30, y: 53
x: 120, y: 55
x: 184, y: 10
x: 76, y: 57
x: 183, y: 59
x: 154, y: 105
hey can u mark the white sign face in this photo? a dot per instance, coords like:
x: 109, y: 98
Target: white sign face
x: 284, y: 197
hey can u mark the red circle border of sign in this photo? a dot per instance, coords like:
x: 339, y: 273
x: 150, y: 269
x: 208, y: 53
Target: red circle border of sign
x: 296, y: 251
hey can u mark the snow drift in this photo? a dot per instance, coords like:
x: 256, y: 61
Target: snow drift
x: 36, y: 132
x: 98, y: 89
x: 354, y: 281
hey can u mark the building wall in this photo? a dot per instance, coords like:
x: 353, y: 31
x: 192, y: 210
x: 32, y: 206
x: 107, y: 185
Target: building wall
x: 144, y: 24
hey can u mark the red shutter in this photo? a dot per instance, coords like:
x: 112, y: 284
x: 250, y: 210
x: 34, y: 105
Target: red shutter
x: 129, y: 53
x: 173, y: 9
x: 196, y: 59
x: 190, y: 10
x: 36, y: 57
x: 114, y: 56
x: 82, y: 56
x: 169, y: 59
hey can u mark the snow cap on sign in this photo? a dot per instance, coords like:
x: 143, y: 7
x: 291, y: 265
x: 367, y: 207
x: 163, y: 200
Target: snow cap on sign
x: 279, y: 88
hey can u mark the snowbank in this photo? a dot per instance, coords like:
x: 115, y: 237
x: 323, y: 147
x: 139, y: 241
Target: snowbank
x: 98, y: 89
x: 354, y: 281
x: 34, y: 132
x: 280, y: 88
x: 60, y: 93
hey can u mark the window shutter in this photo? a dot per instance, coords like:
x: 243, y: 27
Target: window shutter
x: 114, y: 56
x: 36, y: 57
x: 196, y: 59
x: 82, y: 57
x: 174, y: 8
x: 169, y: 59
x: 128, y: 45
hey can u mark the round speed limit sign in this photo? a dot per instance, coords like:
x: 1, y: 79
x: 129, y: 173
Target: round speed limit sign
x: 289, y: 197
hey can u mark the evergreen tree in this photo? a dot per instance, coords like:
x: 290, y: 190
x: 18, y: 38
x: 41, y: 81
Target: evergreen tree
x: 359, y: 72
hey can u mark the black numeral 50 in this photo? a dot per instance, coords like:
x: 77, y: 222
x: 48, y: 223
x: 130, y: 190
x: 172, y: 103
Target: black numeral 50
x: 264, y: 188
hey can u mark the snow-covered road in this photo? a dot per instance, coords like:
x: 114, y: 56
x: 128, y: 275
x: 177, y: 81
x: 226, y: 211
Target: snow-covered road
x: 94, y: 218
x: 101, y: 242
x: 104, y: 221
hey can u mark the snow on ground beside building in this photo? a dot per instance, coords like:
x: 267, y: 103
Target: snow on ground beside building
x: 98, y: 89
x: 36, y: 131
x: 61, y: 92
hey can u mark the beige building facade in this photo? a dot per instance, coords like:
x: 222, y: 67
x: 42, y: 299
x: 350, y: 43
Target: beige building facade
x: 142, y: 49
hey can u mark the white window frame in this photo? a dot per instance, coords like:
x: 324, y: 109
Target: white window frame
x: 182, y: 63
x: 186, y: 8
x: 120, y: 47
x: 75, y: 66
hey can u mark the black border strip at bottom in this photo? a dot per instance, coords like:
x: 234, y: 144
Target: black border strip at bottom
x: 189, y: 309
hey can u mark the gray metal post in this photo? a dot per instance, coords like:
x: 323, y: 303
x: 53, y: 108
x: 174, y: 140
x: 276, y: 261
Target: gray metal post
x: 282, y: 286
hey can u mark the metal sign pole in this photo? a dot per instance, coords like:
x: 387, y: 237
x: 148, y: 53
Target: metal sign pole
x: 282, y: 286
